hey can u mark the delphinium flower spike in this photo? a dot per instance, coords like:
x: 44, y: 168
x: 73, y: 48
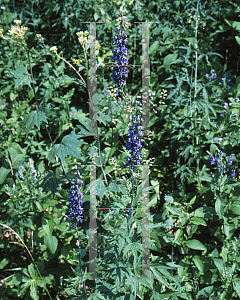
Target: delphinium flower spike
x: 221, y: 165
x: 76, y: 202
x: 133, y: 141
x: 120, y: 54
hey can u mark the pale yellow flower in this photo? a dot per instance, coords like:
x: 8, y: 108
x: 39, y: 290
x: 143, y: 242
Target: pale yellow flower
x: 76, y: 61
x: 18, y: 32
x: 18, y: 22
x: 54, y: 49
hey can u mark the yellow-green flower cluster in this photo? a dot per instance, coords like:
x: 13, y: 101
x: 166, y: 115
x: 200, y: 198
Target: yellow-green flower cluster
x: 54, y: 49
x: 1, y: 33
x: 85, y: 39
x: 76, y: 61
x: 38, y: 36
x: 17, y: 32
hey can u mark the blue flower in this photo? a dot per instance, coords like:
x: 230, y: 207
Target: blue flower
x: 105, y: 91
x: 21, y: 169
x: 76, y: 202
x: 120, y: 55
x: 133, y: 142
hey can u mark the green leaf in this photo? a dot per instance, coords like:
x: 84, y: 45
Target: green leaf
x: 199, y: 263
x: 204, y: 293
x: 219, y: 207
x: 50, y: 183
x: 159, y: 277
x: 3, y: 174
x: 102, y: 118
x: 204, y: 212
x: 235, y: 207
x: 3, y: 263
x: 101, y: 189
x: 178, y: 234
x: 173, y: 210
x: 17, y: 154
x: 168, y: 198
x: 34, y: 118
x: 51, y: 242
x: 234, y: 24
x: 153, y: 200
x: 166, y: 295
x: 168, y: 60
x: 236, y: 286
x: 191, y: 40
x: 68, y: 146
x: 31, y: 40
x: 154, y: 47
x: 237, y: 39
x: 195, y: 244
x: 21, y: 75
x: 220, y: 264
x: 198, y: 221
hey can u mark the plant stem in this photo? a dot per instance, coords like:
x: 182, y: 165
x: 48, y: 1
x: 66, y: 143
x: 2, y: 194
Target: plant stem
x: 79, y: 241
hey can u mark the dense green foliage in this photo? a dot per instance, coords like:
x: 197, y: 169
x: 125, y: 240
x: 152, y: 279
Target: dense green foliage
x: 194, y: 208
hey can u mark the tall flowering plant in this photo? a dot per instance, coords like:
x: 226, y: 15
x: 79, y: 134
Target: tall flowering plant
x: 120, y: 54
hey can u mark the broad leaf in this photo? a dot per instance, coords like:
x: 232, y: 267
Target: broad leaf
x: 51, y: 242
x: 195, y: 244
x: 31, y: 40
x: 21, y: 75
x: 34, y: 118
x: 68, y: 146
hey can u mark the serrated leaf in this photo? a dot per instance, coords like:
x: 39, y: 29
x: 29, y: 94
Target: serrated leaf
x: 21, y: 75
x: 50, y: 183
x: 159, y: 276
x: 34, y: 118
x: 68, y: 146
x: 195, y: 244
x: 101, y: 189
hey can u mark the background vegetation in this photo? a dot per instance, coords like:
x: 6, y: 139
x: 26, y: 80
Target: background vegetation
x: 194, y: 207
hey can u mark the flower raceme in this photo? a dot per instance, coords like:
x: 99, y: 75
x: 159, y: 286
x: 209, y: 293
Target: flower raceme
x: 120, y: 54
x: 133, y: 142
x: 76, y: 202
x: 30, y: 170
x: 221, y: 166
